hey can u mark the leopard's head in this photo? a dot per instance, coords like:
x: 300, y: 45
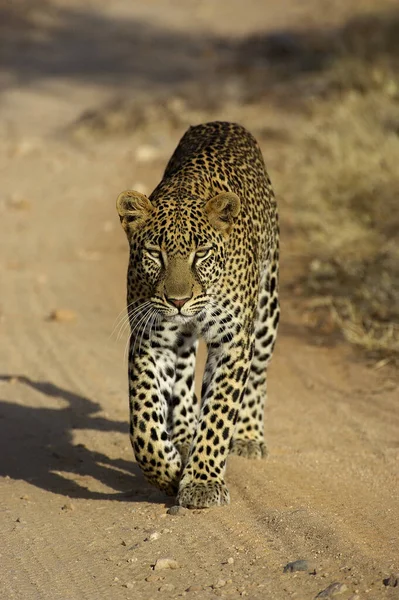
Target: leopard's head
x: 177, y: 250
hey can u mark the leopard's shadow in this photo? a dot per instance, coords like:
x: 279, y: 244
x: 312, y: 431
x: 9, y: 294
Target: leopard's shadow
x: 36, y: 445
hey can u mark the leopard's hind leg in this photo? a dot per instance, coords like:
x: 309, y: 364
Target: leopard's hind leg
x: 248, y: 440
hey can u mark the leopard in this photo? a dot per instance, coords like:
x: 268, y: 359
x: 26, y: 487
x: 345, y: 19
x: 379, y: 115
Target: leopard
x: 203, y: 265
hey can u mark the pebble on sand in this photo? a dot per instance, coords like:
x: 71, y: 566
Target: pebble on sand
x: 167, y: 587
x: 177, y: 511
x: 296, y: 565
x: 195, y: 588
x: 154, y: 577
x: 154, y: 535
x: 68, y: 506
x: 62, y: 315
x: 166, y: 563
x: 335, y: 589
x: 219, y: 584
x: 20, y: 203
x: 392, y: 580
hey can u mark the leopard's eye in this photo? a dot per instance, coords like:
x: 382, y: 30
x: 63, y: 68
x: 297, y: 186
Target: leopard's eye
x: 155, y: 254
x: 203, y: 253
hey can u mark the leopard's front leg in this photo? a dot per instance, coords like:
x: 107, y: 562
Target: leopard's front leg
x: 202, y: 484
x: 151, y: 378
x: 183, y: 414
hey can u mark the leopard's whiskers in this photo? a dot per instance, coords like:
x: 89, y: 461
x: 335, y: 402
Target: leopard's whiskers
x: 138, y: 326
x: 130, y: 317
x: 121, y: 316
x: 139, y: 319
x: 144, y: 327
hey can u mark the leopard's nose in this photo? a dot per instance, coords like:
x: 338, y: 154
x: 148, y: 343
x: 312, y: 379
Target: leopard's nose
x: 178, y: 302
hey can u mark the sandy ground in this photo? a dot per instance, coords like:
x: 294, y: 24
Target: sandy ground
x: 77, y: 516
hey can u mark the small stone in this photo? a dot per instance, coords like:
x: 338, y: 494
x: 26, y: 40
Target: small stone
x: 354, y: 597
x: 62, y: 315
x: 392, y: 580
x: 20, y: 204
x: 167, y: 587
x: 296, y: 565
x: 166, y: 563
x: 335, y: 589
x: 14, y: 265
x: 24, y: 147
x: 155, y: 535
x: 129, y: 585
x: 194, y: 588
x: 68, y: 506
x: 177, y: 511
x: 153, y: 577
x: 219, y: 584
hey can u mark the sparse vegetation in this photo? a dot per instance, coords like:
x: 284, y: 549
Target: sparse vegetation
x: 340, y: 179
x: 348, y: 200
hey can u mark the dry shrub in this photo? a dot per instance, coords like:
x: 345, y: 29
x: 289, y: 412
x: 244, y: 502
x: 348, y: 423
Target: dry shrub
x: 348, y: 205
x: 362, y: 55
x: 345, y: 156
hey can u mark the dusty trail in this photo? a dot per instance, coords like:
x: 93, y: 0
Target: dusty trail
x: 76, y: 512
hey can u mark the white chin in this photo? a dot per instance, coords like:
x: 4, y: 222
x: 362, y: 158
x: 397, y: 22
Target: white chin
x: 179, y: 318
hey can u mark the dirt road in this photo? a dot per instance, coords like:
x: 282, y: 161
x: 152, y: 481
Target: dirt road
x: 78, y: 520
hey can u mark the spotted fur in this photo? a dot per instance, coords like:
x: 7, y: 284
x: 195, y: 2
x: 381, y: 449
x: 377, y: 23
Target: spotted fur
x: 203, y: 263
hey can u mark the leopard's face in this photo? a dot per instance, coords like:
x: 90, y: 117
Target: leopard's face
x: 177, y: 265
x: 177, y: 255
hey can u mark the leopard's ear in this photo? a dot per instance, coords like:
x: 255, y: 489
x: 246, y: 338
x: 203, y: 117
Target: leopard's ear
x: 222, y: 211
x: 133, y: 208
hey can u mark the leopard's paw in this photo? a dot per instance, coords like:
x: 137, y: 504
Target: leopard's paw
x: 249, y: 449
x: 165, y: 477
x: 203, y: 494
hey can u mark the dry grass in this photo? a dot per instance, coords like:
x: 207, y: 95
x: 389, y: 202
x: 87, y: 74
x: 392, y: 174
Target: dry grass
x: 366, y: 54
x: 347, y: 204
